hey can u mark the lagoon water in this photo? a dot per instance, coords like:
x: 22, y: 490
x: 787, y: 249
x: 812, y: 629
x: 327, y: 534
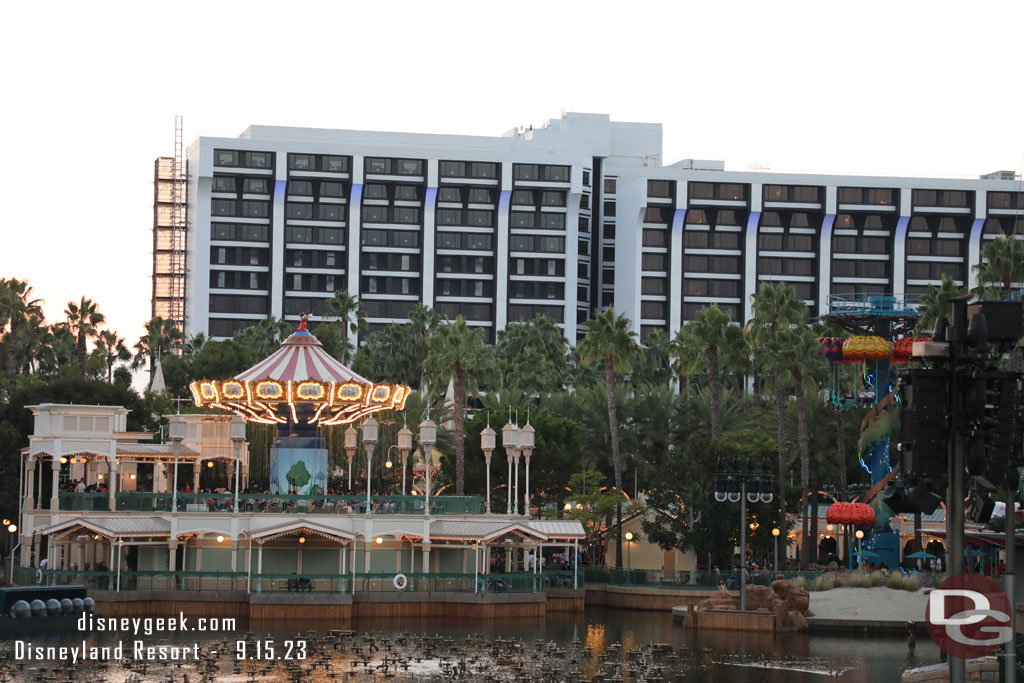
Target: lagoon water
x: 600, y: 644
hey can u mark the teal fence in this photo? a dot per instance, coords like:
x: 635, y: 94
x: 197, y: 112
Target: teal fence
x: 249, y: 502
x: 710, y: 580
x: 522, y: 582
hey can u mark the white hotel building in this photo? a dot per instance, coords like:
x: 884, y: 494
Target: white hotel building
x: 554, y: 220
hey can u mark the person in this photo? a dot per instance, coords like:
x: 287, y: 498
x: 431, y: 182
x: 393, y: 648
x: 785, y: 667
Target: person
x: 531, y: 560
x: 46, y: 561
x: 80, y: 488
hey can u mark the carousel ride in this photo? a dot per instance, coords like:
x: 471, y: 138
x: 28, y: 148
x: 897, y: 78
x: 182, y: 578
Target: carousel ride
x: 301, y: 389
x: 881, y: 336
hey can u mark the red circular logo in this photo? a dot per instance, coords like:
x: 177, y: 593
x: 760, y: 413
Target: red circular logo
x: 969, y: 616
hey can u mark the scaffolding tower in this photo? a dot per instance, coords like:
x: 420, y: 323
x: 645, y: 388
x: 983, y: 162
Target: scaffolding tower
x: 170, y: 233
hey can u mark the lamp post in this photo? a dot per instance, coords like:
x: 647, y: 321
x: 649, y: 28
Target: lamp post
x: 177, y: 431
x: 740, y: 486
x: 860, y: 548
x: 350, y: 449
x: 237, y: 438
x: 526, y: 439
x: 488, y: 440
x: 510, y: 440
x: 404, y: 446
x: 629, y: 550
x: 428, y: 437
x: 775, y: 533
x: 370, y: 431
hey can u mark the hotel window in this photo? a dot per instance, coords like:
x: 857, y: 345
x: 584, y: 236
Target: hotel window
x: 221, y: 278
x: 300, y: 188
x: 375, y: 237
x: 256, y: 186
x: 330, y: 189
x: 371, y: 285
x: 558, y: 174
x: 653, y: 310
x: 329, y: 259
x: 652, y: 285
x: 449, y: 217
x: 375, y: 214
x: 329, y: 283
x: 586, y: 178
x: 608, y: 231
x: 299, y: 211
x: 223, y: 184
x: 657, y: 262
x: 329, y: 212
x: 257, y: 160
x: 375, y: 191
x: 404, y: 261
x: 525, y: 172
x: 223, y: 207
x: 480, y: 218
x: 378, y: 165
x: 301, y: 162
x: 453, y: 169
x: 407, y: 215
x: 226, y: 157
x: 478, y: 265
x: 725, y: 240
x: 405, y: 239
x: 483, y: 169
x: 449, y: 194
x: 656, y: 238
x: 609, y: 209
x: 551, y: 198
x: 333, y: 164
x: 696, y: 217
x: 409, y: 167
x: 254, y: 281
x: 656, y: 214
x: 585, y: 202
x: 659, y: 188
x: 407, y: 193
x: 254, y: 209
x: 297, y: 259
x: 522, y: 198
x: 478, y: 288
x: 405, y: 285
x: 296, y: 282
x: 449, y: 240
x: 609, y: 185
x: 475, y: 241
x: 519, y: 219
x: 696, y: 239
x: 480, y: 195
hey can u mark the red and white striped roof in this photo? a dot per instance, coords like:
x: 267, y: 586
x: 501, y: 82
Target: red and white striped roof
x: 301, y: 358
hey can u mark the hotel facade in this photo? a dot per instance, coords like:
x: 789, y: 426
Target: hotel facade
x: 556, y: 220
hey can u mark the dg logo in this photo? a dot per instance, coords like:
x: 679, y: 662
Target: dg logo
x: 969, y: 616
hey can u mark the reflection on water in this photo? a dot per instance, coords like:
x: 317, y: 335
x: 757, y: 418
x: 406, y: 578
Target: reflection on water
x: 601, y: 644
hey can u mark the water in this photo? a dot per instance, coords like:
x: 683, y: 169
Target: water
x: 601, y: 644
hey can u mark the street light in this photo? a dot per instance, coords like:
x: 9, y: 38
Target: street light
x: 775, y: 533
x: 176, y: 428
x: 526, y: 441
x: 370, y: 431
x: 488, y: 440
x: 733, y: 487
x: 351, y: 435
x: 404, y: 446
x: 860, y: 549
x: 510, y: 440
x: 428, y: 437
x: 629, y: 550
x: 237, y: 438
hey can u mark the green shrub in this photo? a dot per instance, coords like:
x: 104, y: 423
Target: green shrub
x: 860, y: 581
x: 820, y: 584
x: 912, y: 585
x: 896, y: 582
x: 877, y: 579
x: 800, y: 582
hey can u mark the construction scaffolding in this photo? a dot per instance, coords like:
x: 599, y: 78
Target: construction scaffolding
x: 170, y: 232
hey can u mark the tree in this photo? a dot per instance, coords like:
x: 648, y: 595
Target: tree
x: 610, y: 340
x: 531, y: 358
x: 16, y: 308
x: 297, y: 476
x: 83, y: 318
x: 937, y: 303
x: 712, y: 340
x: 458, y: 353
x: 655, y: 364
x: 796, y: 353
x: 775, y: 308
x: 112, y: 348
x: 1002, y: 264
x: 346, y: 308
x: 161, y: 336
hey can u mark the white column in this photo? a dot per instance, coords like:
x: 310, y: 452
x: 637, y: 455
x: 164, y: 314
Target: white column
x: 501, y: 263
x: 750, y: 253
x: 355, y: 219
x: 426, y: 558
x: 234, y: 555
x: 277, y: 241
x: 112, y: 484
x: 429, y: 234
x: 172, y: 555
x: 55, y: 491
x: 196, y: 468
x: 30, y: 501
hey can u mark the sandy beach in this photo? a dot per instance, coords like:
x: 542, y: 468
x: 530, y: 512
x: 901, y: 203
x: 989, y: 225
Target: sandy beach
x: 869, y: 604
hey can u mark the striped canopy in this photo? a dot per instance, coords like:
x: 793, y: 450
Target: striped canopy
x: 301, y: 358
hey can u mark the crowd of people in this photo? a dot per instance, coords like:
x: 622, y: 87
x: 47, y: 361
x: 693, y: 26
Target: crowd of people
x: 79, y: 486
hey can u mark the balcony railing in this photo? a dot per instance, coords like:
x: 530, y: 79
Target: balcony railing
x: 523, y: 582
x: 684, y: 580
x: 251, y: 502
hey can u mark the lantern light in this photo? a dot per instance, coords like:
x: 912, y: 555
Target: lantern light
x: 629, y: 536
x: 568, y: 507
x: 371, y: 429
x: 859, y: 534
x: 350, y: 437
x: 428, y: 434
x: 132, y: 476
x: 302, y: 539
x: 775, y: 532
x: 405, y: 439
x: 237, y: 428
x: 6, y: 521
x: 220, y: 539
x: 63, y: 460
x: 379, y: 540
x: 12, y: 527
x: 488, y: 439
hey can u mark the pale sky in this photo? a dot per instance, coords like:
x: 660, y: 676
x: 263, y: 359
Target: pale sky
x: 91, y: 91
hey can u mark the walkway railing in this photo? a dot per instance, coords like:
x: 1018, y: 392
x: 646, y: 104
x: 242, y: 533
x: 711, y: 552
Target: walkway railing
x: 523, y: 582
x: 253, y: 502
x: 709, y: 580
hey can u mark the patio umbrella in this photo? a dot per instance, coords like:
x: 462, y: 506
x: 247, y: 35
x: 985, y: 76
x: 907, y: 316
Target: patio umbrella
x: 919, y: 555
x: 868, y: 555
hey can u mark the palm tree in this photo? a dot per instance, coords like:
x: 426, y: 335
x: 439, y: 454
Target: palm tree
x: 346, y: 307
x: 795, y: 352
x: 16, y: 306
x: 83, y: 317
x: 775, y: 308
x: 937, y: 303
x: 711, y: 340
x: 610, y: 340
x: 531, y: 359
x: 459, y: 354
x: 112, y: 349
x: 161, y: 336
x: 1002, y: 263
